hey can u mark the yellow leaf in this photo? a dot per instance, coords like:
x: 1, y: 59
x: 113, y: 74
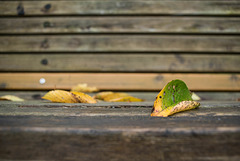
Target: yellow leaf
x: 84, y: 88
x: 126, y: 99
x: 11, y: 98
x: 60, y: 96
x: 182, y: 106
x: 116, y: 97
x: 102, y: 95
x: 113, y: 96
x: 84, y: 98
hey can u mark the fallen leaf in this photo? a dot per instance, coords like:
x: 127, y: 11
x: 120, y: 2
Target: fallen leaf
x: 116, y: 97
x: 84, y: 98
x: 174, y: 97
x: 195, y: 97
x: 11, y: 98
x: 84, y: 88
x: 101, y: 95
x: 182, y: 106
x: 125, y: 99
x: 113, y: 96
x: 62, y: 96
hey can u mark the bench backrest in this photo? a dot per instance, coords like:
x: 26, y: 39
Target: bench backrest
x: 119, y: 45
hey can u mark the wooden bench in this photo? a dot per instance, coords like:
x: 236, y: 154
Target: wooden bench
x: 119, y: 45
x: 68, y: 42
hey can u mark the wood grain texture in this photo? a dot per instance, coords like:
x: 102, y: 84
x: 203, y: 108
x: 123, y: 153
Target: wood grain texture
x: 147, y: 96
x: 120, y: 24
x: 116, y: 62
x: 111, y: 109
x: 104, y: 133
x: 118, y: 7
x: 118, y: 81
x: 119, y: 43
x: 72, y: 145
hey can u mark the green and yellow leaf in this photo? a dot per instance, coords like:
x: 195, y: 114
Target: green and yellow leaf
x: 174, y: 97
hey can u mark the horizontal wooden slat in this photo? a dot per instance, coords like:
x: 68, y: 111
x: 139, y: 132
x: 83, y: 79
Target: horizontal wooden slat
x: 119, y: 81
x: 121, y: 43
x: 128, y: 109
x: 120, y: 62
x: 120, y: 25
x: 147, y: 96
x: 117, y: 7
x: 203, y: 142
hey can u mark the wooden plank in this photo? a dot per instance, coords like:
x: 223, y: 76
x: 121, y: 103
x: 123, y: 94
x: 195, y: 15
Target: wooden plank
x: 120, y: 24
x: 119, y: 43
x: 119, y: 7
x: 70, y: 133
x: 117, y: 62
x: 147, y: 96
x: 72, y: 144
x: 118, y: 109
x: 118, y: 81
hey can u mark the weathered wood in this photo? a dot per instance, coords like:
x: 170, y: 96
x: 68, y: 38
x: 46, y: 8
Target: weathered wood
x: 81, y: 113
x: 147, y: 96
x: 118, y: 81
x: 119, y: 43
x: 120, y: 62
x: 70, y: 133
x: 120, y: 24
x: 119, y: 109
x: 119, y: 7
x: 50, y: 145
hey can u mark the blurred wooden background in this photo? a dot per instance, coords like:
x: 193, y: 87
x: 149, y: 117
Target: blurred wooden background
x: 120, y: 44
